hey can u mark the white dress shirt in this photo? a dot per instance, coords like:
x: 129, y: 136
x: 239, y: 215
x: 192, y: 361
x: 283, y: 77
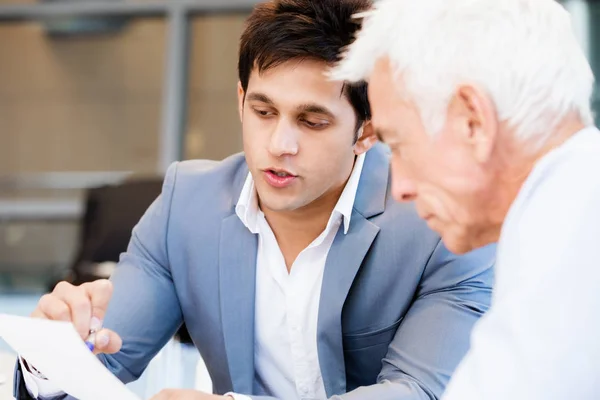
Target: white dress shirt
x: 541, y: 337
x: 287, y: 305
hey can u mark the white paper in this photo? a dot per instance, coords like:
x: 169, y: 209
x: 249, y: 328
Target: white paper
x: 57, y: 351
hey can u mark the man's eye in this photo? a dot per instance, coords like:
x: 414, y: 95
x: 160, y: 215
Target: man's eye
x: 315, y: 125
x: 263, y: 113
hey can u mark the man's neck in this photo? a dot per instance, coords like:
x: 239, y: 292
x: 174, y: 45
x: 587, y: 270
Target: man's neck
x: 518, y: 163
x: 295, y: 230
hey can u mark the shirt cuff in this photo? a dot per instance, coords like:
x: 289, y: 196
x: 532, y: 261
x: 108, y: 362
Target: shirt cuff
x: 237, y: 396
x: 38, y: 387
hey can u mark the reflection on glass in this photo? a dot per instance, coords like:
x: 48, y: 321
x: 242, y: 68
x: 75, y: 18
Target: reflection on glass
x: 80, y: 103
x: 213, y: 129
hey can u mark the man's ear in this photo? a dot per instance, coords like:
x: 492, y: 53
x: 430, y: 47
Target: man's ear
x: 474, y: 112
x: 241, y: 98
x: 366, y: 138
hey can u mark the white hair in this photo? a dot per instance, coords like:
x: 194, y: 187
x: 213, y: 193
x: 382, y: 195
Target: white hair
x: 523, y: 53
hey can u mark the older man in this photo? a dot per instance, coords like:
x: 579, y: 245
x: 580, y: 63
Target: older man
x: 486, y: 106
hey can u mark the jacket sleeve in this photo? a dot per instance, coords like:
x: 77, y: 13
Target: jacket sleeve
x: 453, y: 294
x: 144, y: 309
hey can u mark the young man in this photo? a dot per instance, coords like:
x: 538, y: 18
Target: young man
x: 296, y: 274
x: 493, y: 139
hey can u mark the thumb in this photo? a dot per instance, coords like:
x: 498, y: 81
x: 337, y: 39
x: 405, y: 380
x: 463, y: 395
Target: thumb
x: 107, y: 342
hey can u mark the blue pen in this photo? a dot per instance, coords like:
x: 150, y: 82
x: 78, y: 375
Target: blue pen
x: 91, y: 340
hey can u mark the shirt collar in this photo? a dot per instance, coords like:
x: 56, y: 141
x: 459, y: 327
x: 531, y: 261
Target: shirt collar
x: 248, y: 211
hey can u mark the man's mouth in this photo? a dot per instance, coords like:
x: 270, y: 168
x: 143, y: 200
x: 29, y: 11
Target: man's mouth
x: 281, y: 174
x: 279, y: 178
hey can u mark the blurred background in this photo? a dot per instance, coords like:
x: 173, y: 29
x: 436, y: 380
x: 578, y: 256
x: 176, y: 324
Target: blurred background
x: 94, y: 93
x: 97, y: 98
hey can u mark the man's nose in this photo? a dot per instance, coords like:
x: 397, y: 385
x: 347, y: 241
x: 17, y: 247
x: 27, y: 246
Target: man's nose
x: 284, y: 140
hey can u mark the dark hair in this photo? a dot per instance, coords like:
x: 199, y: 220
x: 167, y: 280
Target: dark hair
x: 282, y: 30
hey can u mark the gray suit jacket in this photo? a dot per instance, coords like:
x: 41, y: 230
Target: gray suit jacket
x: 396, y: 307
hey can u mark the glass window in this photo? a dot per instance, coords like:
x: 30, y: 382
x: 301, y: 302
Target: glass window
x: 83, y: 104
x: 213, y: 128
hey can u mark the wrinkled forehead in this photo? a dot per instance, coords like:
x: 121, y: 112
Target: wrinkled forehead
x: 389, y: 108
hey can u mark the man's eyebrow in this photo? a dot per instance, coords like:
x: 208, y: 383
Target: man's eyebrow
x: 263, y: 98
x: 315, y: 109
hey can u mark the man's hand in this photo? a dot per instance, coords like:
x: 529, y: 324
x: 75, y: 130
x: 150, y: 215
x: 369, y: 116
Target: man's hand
x: 84, y: 306
x: 173, y: 394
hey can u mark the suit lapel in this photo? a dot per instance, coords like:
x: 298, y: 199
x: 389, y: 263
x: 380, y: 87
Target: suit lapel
x: 237, y: 269
x: 343, y: 262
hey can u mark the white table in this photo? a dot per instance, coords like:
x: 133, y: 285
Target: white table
x: 7, y: 365
x: 18, y: 304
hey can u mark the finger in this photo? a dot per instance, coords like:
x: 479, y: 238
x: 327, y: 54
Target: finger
x: 99, y: 292
x: 80, y: 304
x: 51, y: 307
x: 107, y: 342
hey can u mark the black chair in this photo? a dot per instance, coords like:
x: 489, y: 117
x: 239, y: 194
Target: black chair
x: 111, y: 213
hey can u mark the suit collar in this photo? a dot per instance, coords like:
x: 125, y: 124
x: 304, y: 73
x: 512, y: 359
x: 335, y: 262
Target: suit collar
x: 344, y: 260
x: 373, y: 188
x: 343, y: 263
x: 237, y: 276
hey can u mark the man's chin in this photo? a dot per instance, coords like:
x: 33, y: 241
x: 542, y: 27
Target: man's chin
x: 456, y: 244
x: 276, y: 205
